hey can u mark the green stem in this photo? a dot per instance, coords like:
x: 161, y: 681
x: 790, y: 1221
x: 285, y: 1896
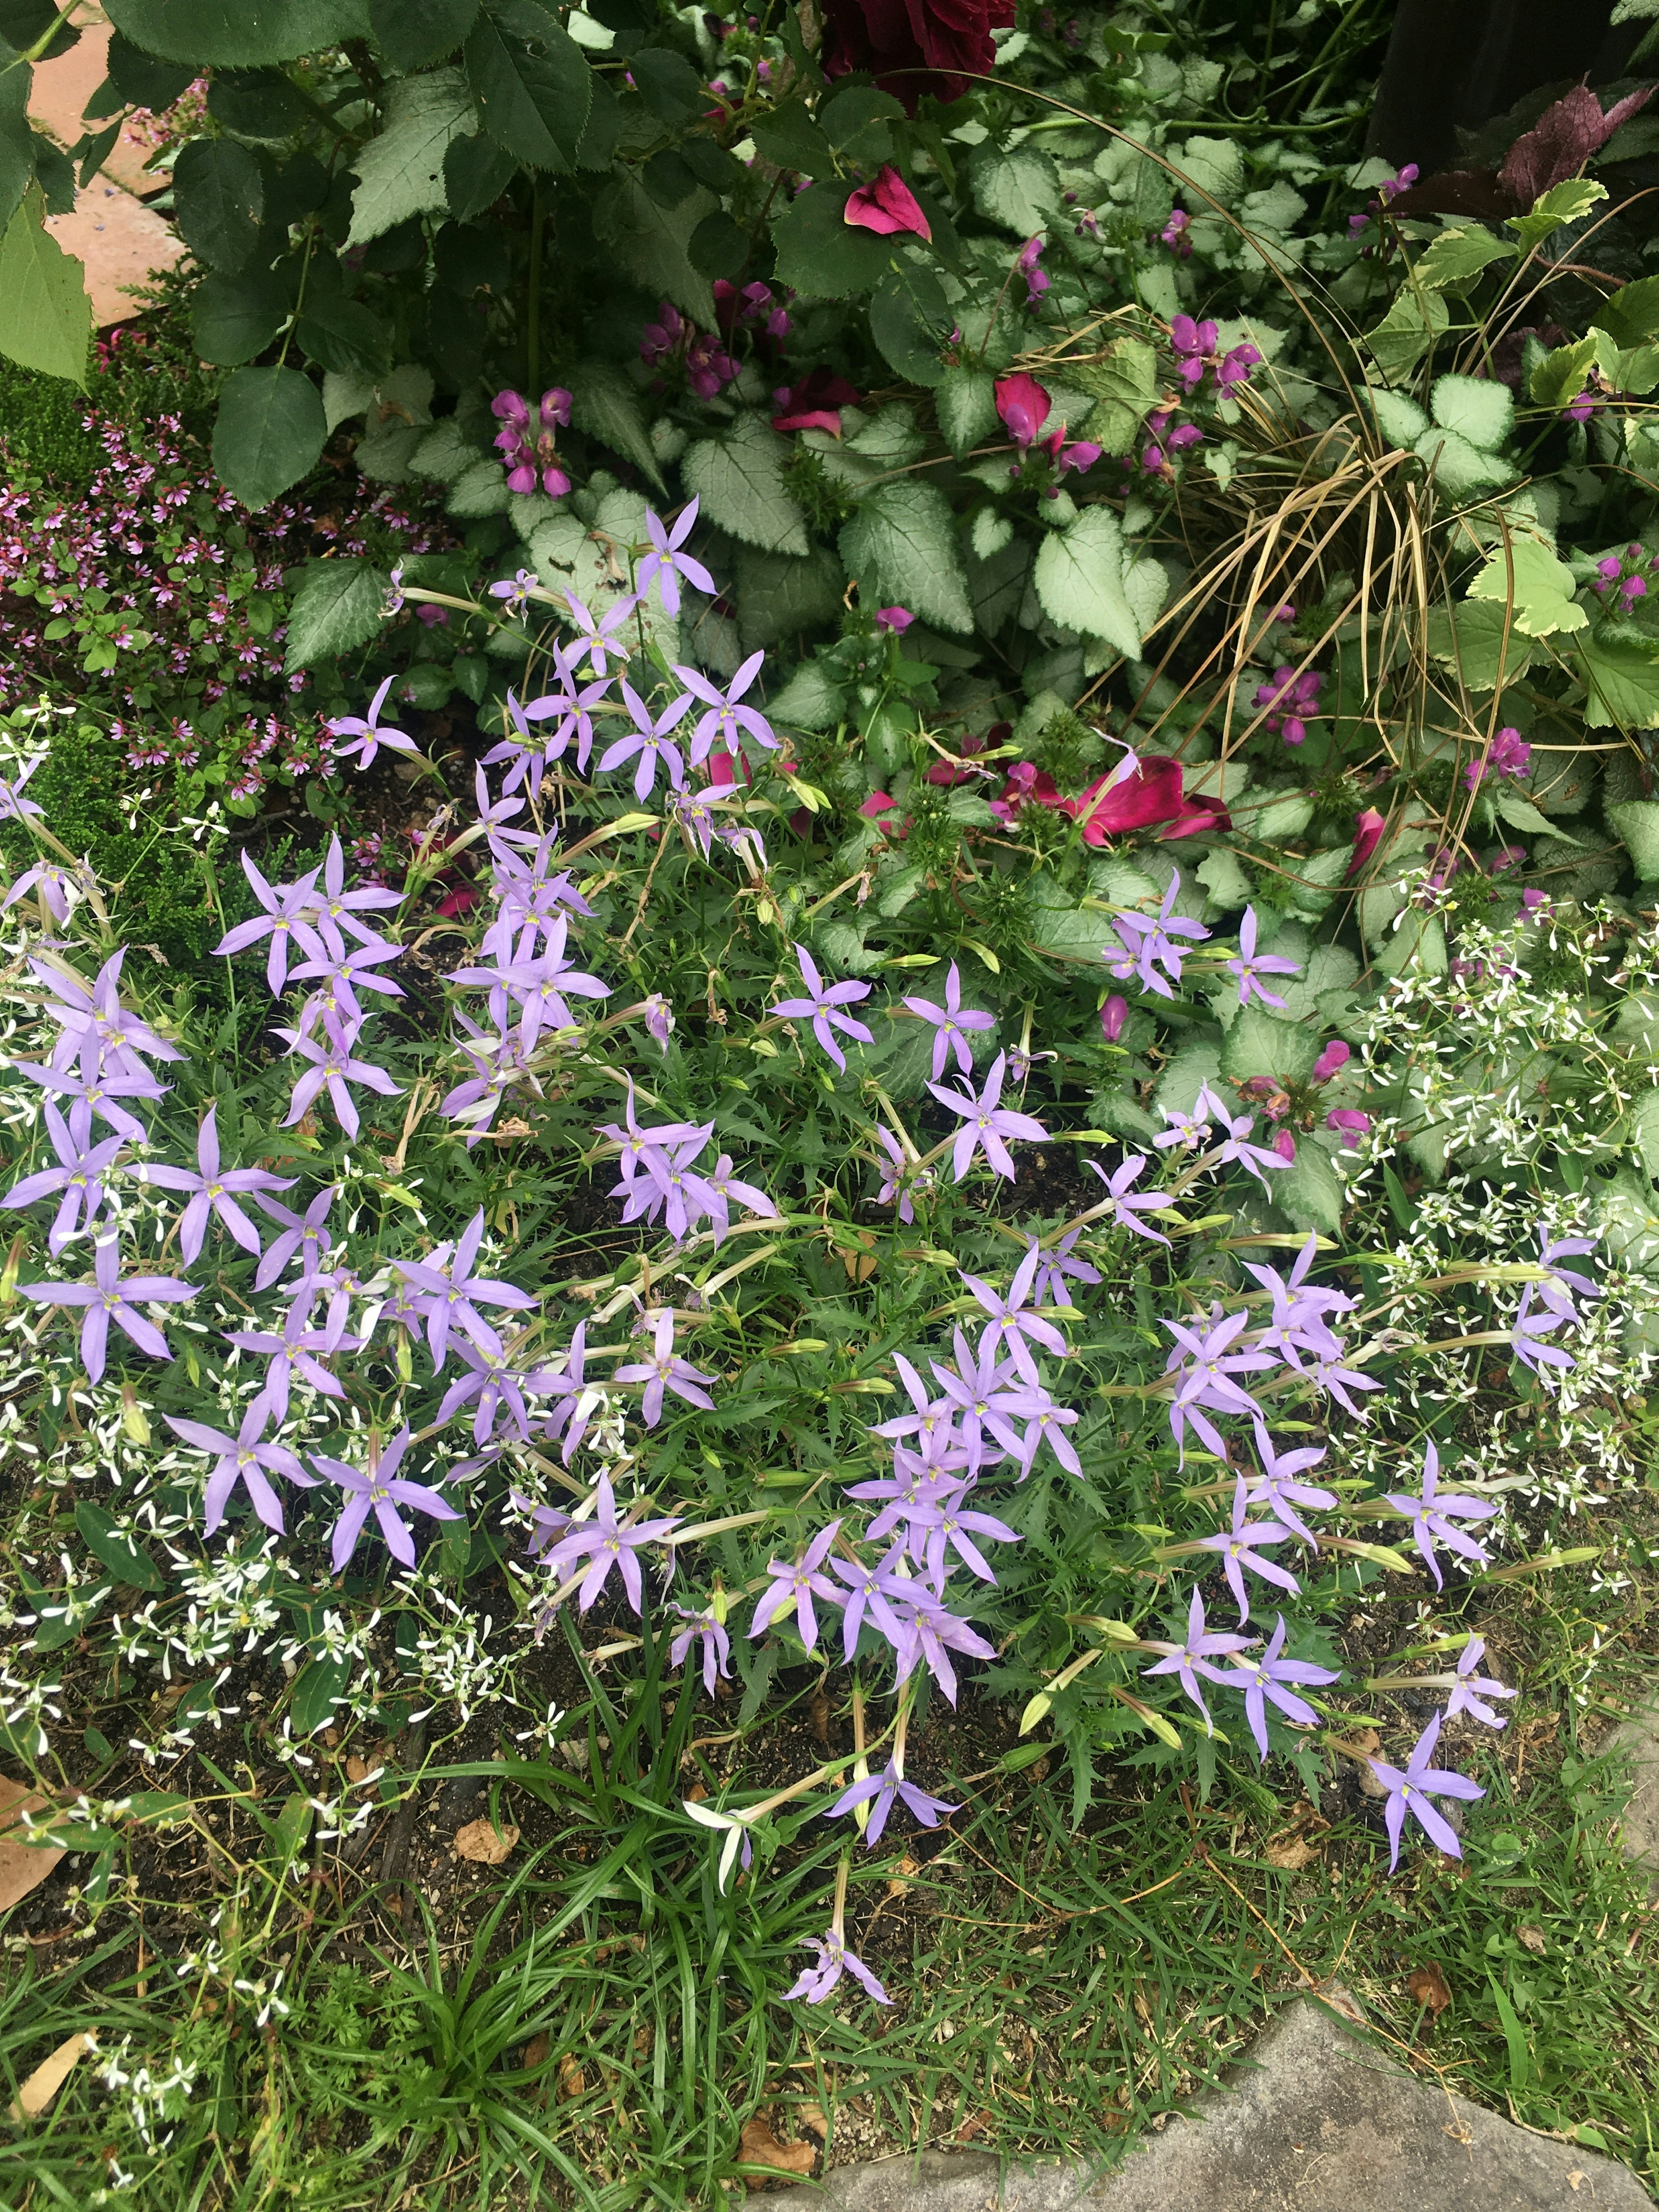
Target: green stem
x: 533, y: 309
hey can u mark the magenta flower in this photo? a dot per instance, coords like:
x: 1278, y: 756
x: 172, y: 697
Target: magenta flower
x: 1410, y: 1792
x: 894, y: 620
x: 1251, y: 965
x: 665, y: 564
x: 607, y: 1542
x: 1267, y: 1679
x: 1293, y: 700
x: 213, y: 1190
x: 526, y: 440
x: 368, y: 733
x: 1193, y: 1658
x: 665, y: 1371
x: 661, y: 340
x: 1028, y: 263
x: 1432, y: 1516
x: 834, y: 1958
x: 1113, y: 1015
x: 823, y: 1008
x: 247, y: 1459
x: 381, y: 1489
x: 1506, y: 755
x: 726, y: 722
x: 986, y: 1124
x: 1173, y: 234
x: 108, y: 1298
x: 1022, y: 405
x: 888, y: 206
x: 951, y: 1023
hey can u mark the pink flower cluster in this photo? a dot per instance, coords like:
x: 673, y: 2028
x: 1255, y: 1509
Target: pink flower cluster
x: 1194, y: 346
x: 1625, y: 572
x: 1507, y: 755
x: 1389, y: 190
x: 671, y: 339
x: 527, y: 439
x: 1293, y: 701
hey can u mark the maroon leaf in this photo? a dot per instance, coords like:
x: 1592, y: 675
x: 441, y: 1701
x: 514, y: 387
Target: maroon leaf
x: 1562, y: 140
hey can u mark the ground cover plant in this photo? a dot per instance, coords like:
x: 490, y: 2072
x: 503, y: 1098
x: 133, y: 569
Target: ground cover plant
x: 895, y: 1195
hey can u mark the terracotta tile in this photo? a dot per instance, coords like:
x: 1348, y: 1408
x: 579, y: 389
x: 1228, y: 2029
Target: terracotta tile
x: 120, y: 240
x: 62, y: 88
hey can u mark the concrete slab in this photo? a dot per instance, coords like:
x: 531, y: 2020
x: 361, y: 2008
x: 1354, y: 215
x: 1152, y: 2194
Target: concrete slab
x: 62, y: 89
x: 118, y: 240
x: 1321, y: 2119
x: 1638, y: 1737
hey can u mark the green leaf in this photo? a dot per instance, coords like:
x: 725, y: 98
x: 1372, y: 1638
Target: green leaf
x: 902, y: 545
x: 1124, y: 387
x: 218, y: 202
x: 477, y: 172
x: 233, y: 318
x: 1563, y: 202
x: 1520, y: 814
x: 23, y: 21
x: 1019, y: 189
x: 653, y: 243
x: 340, y: 605
x: 412, y: 34
x: 236, y: 34
x: 1405, y: 333
x: 911, y: 321
x: 1636, y: 822
x: 259, y: 104
x: 739, y: 476
x: 1456, y: 257
x: 789, y: 138
x: 16, y: 141
x: 445, y: 453
x: 1541, y: 587
x: 965, y: 403
x: 45, y: 317
x: 1260, y: 1044
x: 269, y: 430
x: 1080, y: 581
x: 1479, y: 409
x: 1621, y: 673
x: 719, y: 246
x: 810, y: 699
x: 126, y: 1560
x: 344, y: 335
x: 667, y: 82
x: 141, y: 80
x: 821, y: 254
x: 319, y: 1687
x: 532, y: 82
x: 1470, y: 634
x: 603, y: 403
x: 1560, y: 375
x: 779, y: 598
x: 402, y: 170
x: 1631, y: 314
x: 1309, y: 1191
x: 1644, y: 1129
x: 1459, y: 467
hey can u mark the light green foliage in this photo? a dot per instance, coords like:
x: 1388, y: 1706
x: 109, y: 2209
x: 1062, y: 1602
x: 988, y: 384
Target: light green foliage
x: 902, y: 544
x: 1080, y: 581
x: 401, y: 173
x: 739, y: 479
x: 1539, y: 589
x: 45, y: 317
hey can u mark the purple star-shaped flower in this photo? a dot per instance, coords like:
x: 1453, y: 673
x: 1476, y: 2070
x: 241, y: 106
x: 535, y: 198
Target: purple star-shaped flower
x: 1124, y: 1208
x: 607, y: 1542
x: 795, y: 1584
x: 1251, y: 965
x: 833, y: 1959
x: 332, y: 1068
x: 823, y: 1008
x: 78, y: 1178
x: 1149, y: 944
x: 1193, y: 1658
x: 108, y: 1298
x: 665, y: 564
x: 706, y: 1628
x: 1277, y: 1489
x: 1237, y: 1548
x: 381, y: 1489
x: 1431, y: 1518
x: 244, y: 1458
x: 951, y: 1022
x: 985, y: 1123
x: 1048, y: 1285
x: 664, y: 1370
x: 726, y: 722
x: 450, y: 1294
x: 1410, y: 1792
x: 1013, y: 1320
x: 213, y: 1191
x: 369, y: 734
x: 1266, y: 1678
x: 596, y: 641
x: 896, y: 1180
x: 1470, y: 1689
x: 649, y: 741
x: 878, y: 1791
x: 284, y: 919
x: 1207, y: 1366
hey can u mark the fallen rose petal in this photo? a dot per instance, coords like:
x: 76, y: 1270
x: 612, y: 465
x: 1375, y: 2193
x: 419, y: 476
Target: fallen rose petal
x: 887, y: 206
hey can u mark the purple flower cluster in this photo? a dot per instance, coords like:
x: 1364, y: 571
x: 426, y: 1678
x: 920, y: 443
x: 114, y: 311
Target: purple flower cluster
x: 1292, y: 701
x: 1194, y: 346
x: 706, y: 364
x: 527, y: 437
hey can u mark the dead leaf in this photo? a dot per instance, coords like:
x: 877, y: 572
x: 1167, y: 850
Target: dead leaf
x: 819, y: 1709
x: 1299, y: 1844
x: 812, y: 2117
x: 903, y: 1874
x: 23, y: 1867
x: 696, y: 1793
x: 357, y: 1770
x: 1428, y: 1986
x: 1363, y: 1744
x: 534, y: 2053
x: 483, y: 1845
x: 572, y: 2079
x: 758, y: 2145
x: 1532, y: 1937
x: 970, y: 2128
x: 43, y: 2085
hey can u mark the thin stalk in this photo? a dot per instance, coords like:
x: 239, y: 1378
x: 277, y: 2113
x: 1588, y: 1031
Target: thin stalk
x: 533, y: 306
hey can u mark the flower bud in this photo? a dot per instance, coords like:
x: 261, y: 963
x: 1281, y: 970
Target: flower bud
x: 132, y: 1416
x: 1113, y: 1015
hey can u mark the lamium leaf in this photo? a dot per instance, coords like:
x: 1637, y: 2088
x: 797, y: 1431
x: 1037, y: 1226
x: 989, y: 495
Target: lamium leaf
x: 269, y: 430
x: 1457, y: 257
x: 1080, y: 581
x: 1540, y: 586
x: 604, y: 404
x: 1477, y: 408
x: 1636, y: 823
x: 402, y: 170
x: 532, y: 82
x: 45, y: 317
x: 237, y: 34
x: 739, y: 476
x: 1621, y: 674
x: 965, y: 402
x: 412, y: 34
x: 902, y: 545
x: 1020, y: 189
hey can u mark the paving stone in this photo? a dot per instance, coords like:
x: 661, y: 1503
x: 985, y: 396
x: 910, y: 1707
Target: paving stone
x: 1321, y: 2119
x: 62, y: 88
x: 120, y: 240
x: 1638, y: 1736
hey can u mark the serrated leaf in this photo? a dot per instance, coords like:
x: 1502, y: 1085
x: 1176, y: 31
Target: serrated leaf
x: 1631, y: 314
x: 1413, y: 323
x: 991, y: 532
x: 1477, y: 408
x: 1459, y: 467
x: 822, y: 255
x: 1309, y: 1191
x: 965, y: 402
x: 401, y: 173
x: 480, y: 490
x: 739, y: 476
x: 788, y: 137
x: 1124, y: 387
x: 810, y: 699
x: 343, y: 335
x: 1019, y: 189
x: 910, y: 321
x: 270, y: 429
x: 1636, y: 822
x: 902, y: 545
x: 1456, y: 257
x: 532, y: 81
x: 603, y: 403
x: 445, y: 453
x: 1563, y: 202
x: 16, y: 141
x: 218, y: 201
x: 1644, y: 1131
x: 1560, y: 375
x: 1621, y: 673
x: 1541, y: 587
x: 653, y: 243
x: 1520, y: 814
x: 236, y: 34
x: 1080, y: 581
x: 1470, y: 634
x: 127, y: 1560
x: 412, y: 34
x: 778, y: 597
x: 45, y: 317
x: 339, y: 604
